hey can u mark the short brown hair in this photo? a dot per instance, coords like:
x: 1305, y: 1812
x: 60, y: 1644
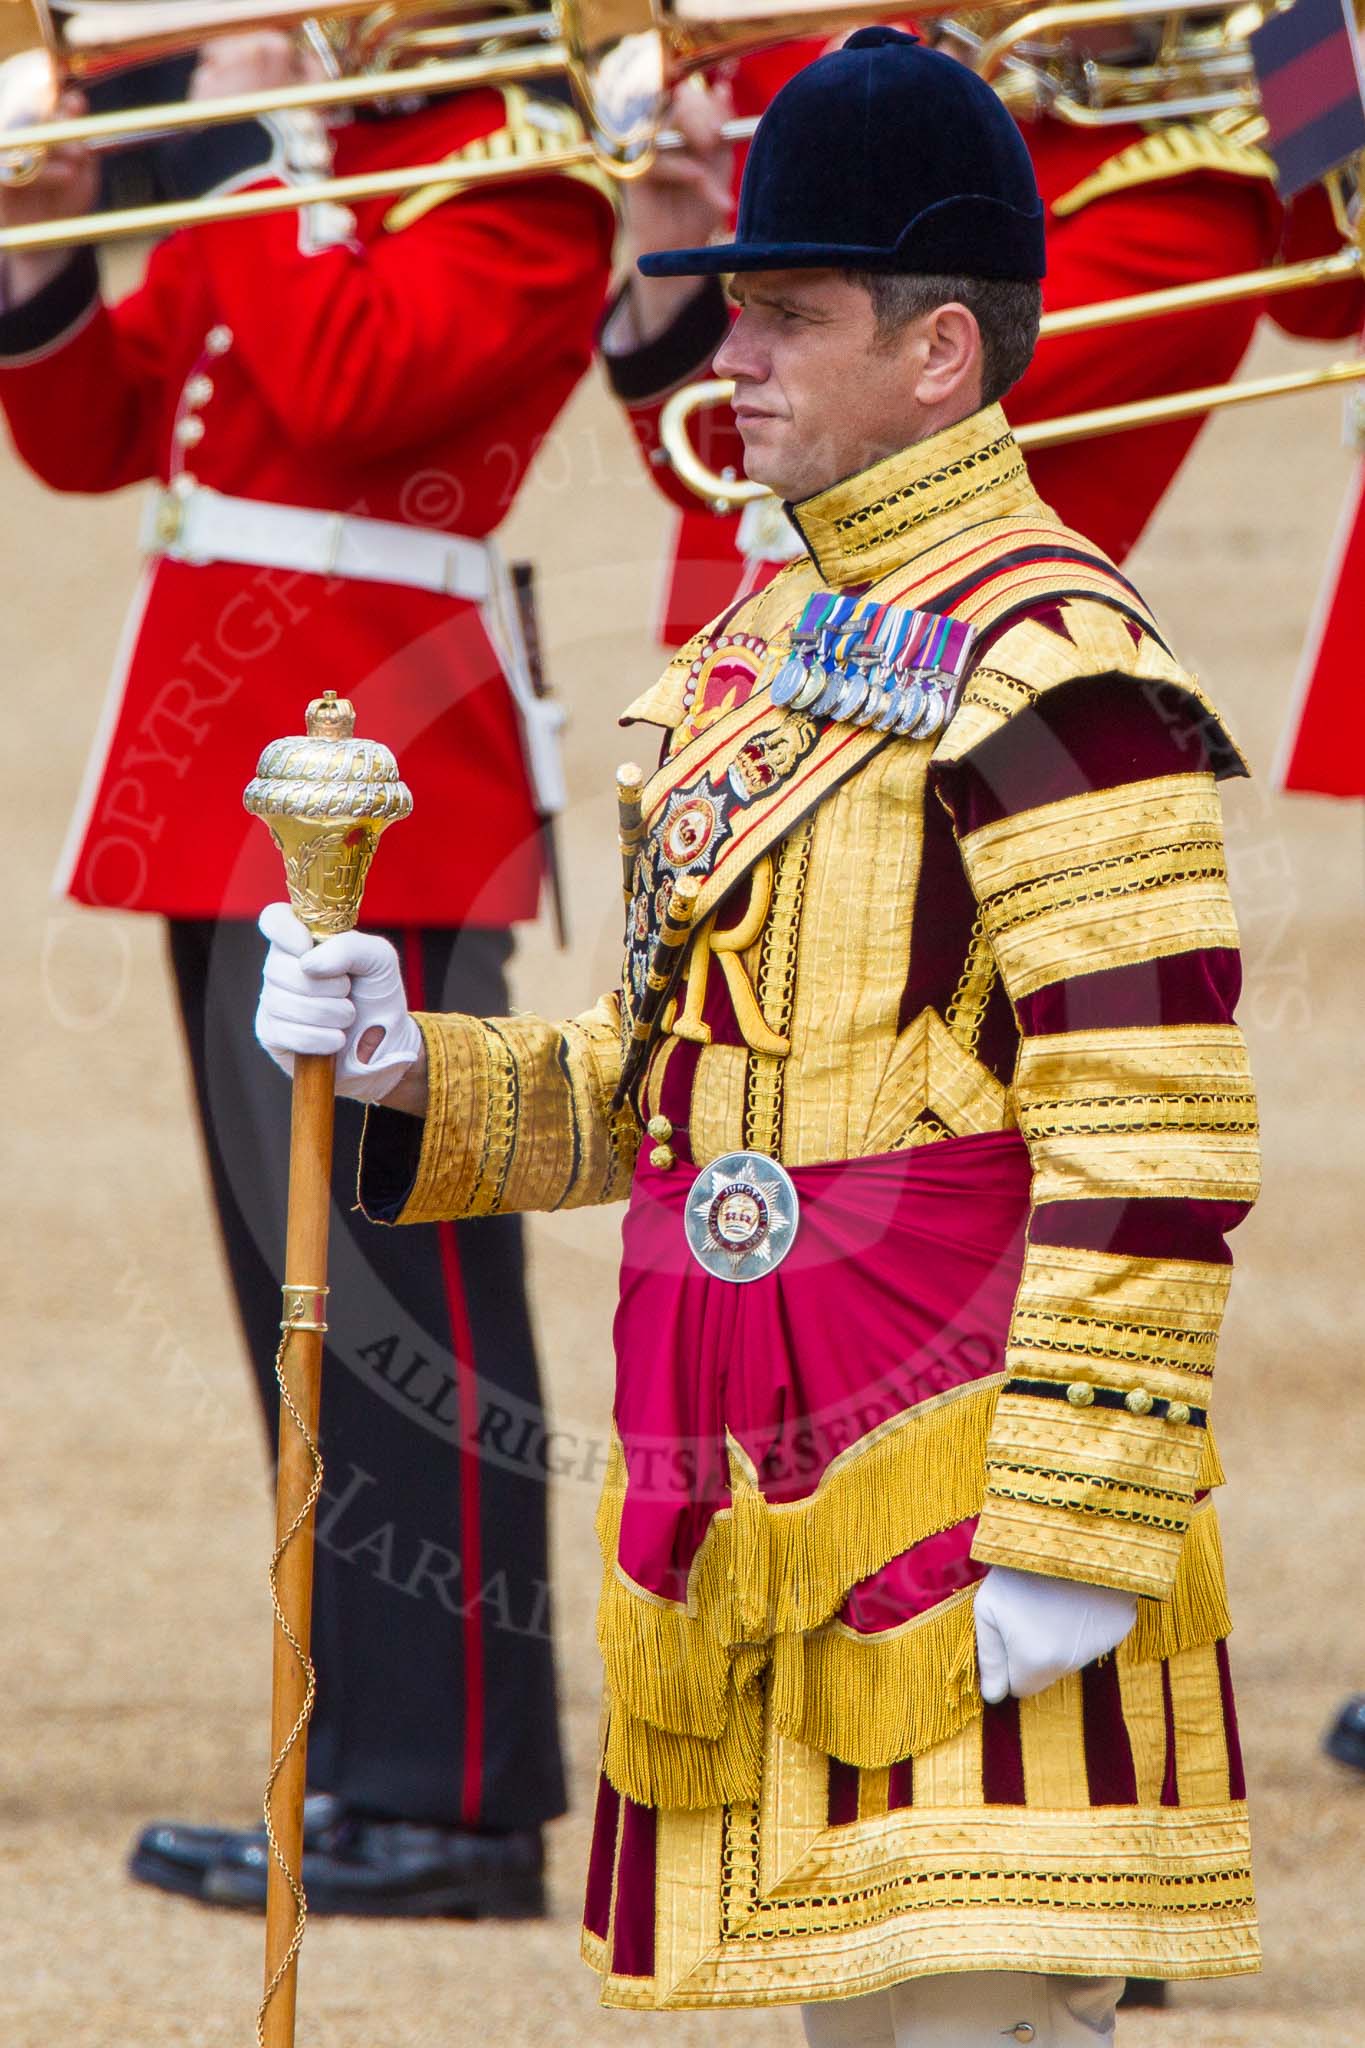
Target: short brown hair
x: 1007, y: 311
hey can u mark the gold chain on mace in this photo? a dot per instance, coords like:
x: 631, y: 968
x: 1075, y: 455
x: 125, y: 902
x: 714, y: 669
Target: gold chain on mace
x: 297, y: 1302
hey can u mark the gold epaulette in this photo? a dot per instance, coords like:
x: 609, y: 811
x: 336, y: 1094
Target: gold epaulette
x: 1168, y: 152
x: 531, y: 127
x: 1030, y: 659
x: 666, y: 701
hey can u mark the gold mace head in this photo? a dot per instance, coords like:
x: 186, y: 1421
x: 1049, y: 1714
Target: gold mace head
x: 326, y: 797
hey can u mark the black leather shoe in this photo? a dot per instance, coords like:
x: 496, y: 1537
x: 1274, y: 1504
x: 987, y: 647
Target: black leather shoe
x: 176, y: 1857
x: 393, y: 1869
x: 1345, y: 1739
x: 1150, y: 1991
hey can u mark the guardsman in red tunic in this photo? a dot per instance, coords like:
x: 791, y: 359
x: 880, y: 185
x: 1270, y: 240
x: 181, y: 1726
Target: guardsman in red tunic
x: 1127, y: 211
x: 335, y: 410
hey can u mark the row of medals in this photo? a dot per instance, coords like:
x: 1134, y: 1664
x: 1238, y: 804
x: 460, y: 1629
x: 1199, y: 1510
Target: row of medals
x: 849, y: 683
x: 743, y: 1209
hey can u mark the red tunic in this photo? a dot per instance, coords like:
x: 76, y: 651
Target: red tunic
x: 1323, y: 749
x: 407, y: 373
x: 1322, y: 752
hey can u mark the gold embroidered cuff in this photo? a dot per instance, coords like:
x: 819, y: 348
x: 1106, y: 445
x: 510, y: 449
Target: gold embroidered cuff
x: 1064, y: 1545
x: 457, y: 1107
x: 1093, y: 1493
x: 1097, y: 1480
x: 605, y: 1141
x: 518, y: 1116
x: 1115, y: 1462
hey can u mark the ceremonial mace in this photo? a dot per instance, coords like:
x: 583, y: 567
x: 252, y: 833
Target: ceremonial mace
x: 326, y: 798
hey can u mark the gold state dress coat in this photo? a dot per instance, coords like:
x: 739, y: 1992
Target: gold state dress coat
x: 1009, y: 941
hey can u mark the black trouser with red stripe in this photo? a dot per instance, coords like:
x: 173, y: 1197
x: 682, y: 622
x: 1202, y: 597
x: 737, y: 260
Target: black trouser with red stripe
x: 431, y: 1628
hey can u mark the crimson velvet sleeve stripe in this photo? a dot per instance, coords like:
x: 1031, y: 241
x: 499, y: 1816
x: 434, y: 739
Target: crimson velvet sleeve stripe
x: 1090, y: 830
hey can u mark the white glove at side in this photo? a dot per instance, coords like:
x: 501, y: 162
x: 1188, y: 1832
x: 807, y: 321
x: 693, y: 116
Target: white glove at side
x: 1032, y: 1630
x: 324, y: 998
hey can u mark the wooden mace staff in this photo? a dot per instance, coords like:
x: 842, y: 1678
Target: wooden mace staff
x: 326, y: 798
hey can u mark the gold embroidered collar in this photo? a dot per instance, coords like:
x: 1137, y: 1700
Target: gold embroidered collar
x: 871, y: 523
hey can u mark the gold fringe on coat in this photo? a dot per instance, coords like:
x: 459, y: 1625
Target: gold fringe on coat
x: 871, y: 1700
x: 684, y: 1681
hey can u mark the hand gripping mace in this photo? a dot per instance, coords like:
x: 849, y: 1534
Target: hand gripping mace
x: 326, y: 798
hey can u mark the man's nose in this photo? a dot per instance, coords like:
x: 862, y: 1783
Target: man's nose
x: 738, y: 356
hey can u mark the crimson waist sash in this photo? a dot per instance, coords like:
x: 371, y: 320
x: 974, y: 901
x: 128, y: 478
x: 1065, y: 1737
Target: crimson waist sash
x: 799, y: 1453
x: 897, y: 1292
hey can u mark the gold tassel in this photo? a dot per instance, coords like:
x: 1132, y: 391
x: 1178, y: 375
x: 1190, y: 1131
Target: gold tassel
x: 766, y: 1571
x: 687, y: 1716
x: 661, y: 1663
x: 872, y: 1700
x: 665, y: 1663
x: 1197, y: 1610
x: 1211, y: 1471
x: 750, y: 1549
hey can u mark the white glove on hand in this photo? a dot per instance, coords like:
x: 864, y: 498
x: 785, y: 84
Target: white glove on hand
x: 1032, y: 1630
x: 325, y: 998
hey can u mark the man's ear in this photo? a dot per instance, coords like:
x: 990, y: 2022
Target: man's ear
x: 952, y: 366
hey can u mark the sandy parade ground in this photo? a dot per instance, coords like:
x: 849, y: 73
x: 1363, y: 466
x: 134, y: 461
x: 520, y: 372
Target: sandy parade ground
x: 135, y: 1513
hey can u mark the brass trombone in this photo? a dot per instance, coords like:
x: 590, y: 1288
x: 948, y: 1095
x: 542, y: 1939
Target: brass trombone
x: 726, y: 492
x: 1063, y: 58
x: 621, y: 57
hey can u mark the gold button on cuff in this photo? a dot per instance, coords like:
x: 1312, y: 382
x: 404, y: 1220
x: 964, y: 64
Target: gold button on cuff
x: 1177, y: 1411
x: 1023, y: 2030
x: 663, y: 1156
x: 1081, y: 1395
x: 218, y: 340
x: 659, y: 1127
x: 189, y: 432
x: 1139, y: 1402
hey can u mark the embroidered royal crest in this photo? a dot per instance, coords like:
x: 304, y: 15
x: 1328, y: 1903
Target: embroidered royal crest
x: 697, y: 820
x: 767, y: 759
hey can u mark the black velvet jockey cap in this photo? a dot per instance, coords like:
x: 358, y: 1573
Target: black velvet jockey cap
x: 888, y: 156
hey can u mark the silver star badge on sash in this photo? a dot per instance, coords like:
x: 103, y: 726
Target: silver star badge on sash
x: 741, y: 1216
